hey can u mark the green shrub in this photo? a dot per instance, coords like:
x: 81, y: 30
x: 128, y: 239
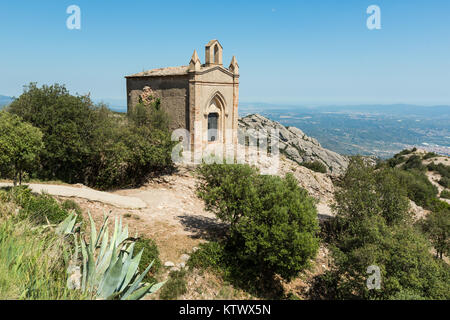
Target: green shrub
x: 393, y: 162
x: 437, y: 227
x: 87, y: 143
x: 430, y: 155
x: 419, y: 188
x: 441, y: 168
x: 366, y: 234
x: 445, y: 182
x: 175, y: 286
x: 20, y: 145
x: 445, y: 194
x: 273, y: 222
x: 150, y: 253
x: 31, y: 264
x: 316, y: 166
x: 44, y: 207
x: 69, y: 205
x: 210, y: 255
x: 414, y: 162
x: 40, y: 209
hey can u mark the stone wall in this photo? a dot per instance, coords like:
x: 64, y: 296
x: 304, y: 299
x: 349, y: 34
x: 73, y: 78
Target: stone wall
x: 173, y: 92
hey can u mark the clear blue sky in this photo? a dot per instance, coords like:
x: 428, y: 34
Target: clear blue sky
x: 306, y: 52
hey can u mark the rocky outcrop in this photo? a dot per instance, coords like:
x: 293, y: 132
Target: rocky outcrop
x: 295, y: 144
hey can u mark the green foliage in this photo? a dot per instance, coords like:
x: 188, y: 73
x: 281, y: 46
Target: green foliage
x: 316, y: 166
x: 31, y: 264
x: 228, y: 190
x: 437, y: 227
x: 366, y: 192
x: 273, y: 222
x: 396, y: 160
x: 39, y: 209
x: 210, y: 255
x: 445, y: 194
x: 175, y: 286
x: 430, y: 155
x: 445, y: 182
x: 441, y: 168
x: 418, y: 187
x: 109, y: 268
x: 150, y: 254
x: 414, y: 162
x: 20, y: 145
x: 370, y: 229
x: 70, y: 205
x: 90, y: 144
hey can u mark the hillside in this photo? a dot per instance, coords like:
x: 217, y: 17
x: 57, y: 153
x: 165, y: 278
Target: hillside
x: 296, y: 145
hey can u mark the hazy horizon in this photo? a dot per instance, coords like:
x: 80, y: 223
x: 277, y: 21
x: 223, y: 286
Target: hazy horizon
x: 288, y: 52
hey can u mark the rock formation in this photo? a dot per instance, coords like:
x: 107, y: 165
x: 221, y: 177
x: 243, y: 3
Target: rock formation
x: 296, y: 145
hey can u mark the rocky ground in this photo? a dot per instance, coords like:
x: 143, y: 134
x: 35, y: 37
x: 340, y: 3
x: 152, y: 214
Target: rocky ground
x: 293, y: 143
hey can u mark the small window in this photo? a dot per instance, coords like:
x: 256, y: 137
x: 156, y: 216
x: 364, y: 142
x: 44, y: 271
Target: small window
x: 213, y: 119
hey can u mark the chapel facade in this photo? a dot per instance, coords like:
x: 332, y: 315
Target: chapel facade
x: 200, y: 98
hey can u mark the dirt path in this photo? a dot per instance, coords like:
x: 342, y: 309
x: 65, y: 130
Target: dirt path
x: 85, y: 193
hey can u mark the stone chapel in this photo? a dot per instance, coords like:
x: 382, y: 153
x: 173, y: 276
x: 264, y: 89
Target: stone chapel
x: 201, y: 98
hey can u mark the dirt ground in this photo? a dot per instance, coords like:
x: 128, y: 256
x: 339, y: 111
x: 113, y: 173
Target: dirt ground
x: 174, y: 217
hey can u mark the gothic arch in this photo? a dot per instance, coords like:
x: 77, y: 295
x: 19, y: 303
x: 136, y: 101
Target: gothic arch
x: 216, y: 105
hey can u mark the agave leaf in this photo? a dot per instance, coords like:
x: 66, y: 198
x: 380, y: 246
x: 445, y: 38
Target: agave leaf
x: 156, y: 287
x: 102, y: 230
x: 91, y: 269
x: 139, y: 293
x: 103, y: 246
x: 137, y: 282
x: 66, y: 226
x: 132, y: 270
x: 111, y: 280
x: 85, y: 257
x: 93, y: 239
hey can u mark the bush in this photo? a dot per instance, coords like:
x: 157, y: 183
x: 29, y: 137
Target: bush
x: 175, y: 286
x: 70, y: 205
x: 150, y: 253
x: 31, y: 264
x: 39, y: 209
x: 367, y: 233
x: 316, y: 166
x: 210, y: 255
x: 273, y: 222
x: 441, y: 168
x: 445, y: 182
x: 419, y: 188
x: 445, y: 194
x: 87, y: 143
x: 414, y: 162
x: 20, y: 145
x: 430, y: 155
x: 437, y: 227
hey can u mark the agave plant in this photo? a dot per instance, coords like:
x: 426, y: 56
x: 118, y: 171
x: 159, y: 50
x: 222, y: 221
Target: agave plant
x: 109, y: 270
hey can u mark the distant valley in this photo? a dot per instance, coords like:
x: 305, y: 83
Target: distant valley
x: 367, y: 129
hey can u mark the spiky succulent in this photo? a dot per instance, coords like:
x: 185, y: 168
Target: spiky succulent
x: 108, y: 268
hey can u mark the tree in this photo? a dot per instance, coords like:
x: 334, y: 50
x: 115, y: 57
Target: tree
x: 437, y: 227
x: 273, y: 221
x: 90, y: 144
x: 373, y: 227
x: 20, y: 145
x: 67, y: 122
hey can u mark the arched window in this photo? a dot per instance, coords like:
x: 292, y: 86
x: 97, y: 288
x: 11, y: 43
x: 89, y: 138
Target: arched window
x: 213, y: 121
